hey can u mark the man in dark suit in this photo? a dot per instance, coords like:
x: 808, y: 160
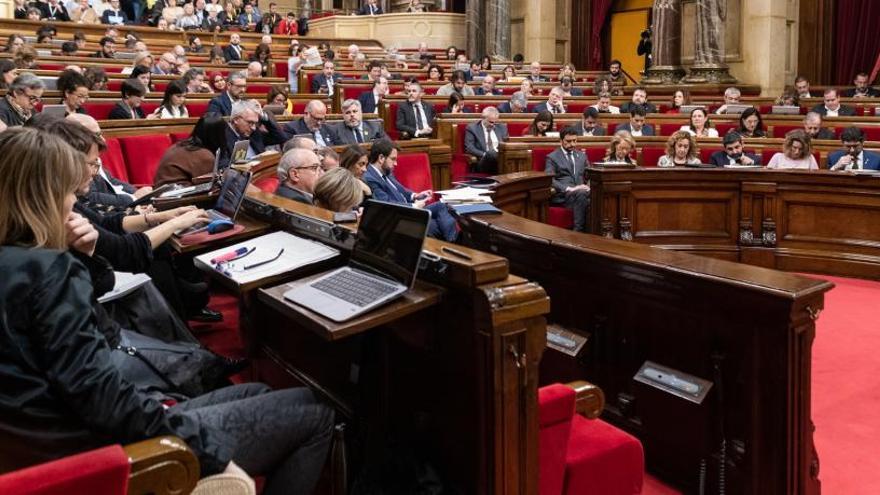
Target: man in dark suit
x: 370, y: 8
x: 861, y: 90
x: 325, y: 82
x: 385, y: 187
x: 370, y: 100
x: 853, y: 156
x: 53, y: 11
x: 249, y: 122
x: 813, y: 127
x: 639, y: 99
x: 518, y: 103
x: 414, y: 118
x: 589, y: 124
x: 482, y: 139
x: 353, y: 129
x: 236, y: 86
x: 233, y: 51
x: 733, y: 152
x: 832, y: 106
x: 535, y: 72
x: 636, y: 125
x: 568, y: 166
x: 554, y: 102
x: 487, y: 87
x: 312, y: 124
x: 802, y: 87
x: 298, y: 172
x: 130, y: 107
x: 114, y: 15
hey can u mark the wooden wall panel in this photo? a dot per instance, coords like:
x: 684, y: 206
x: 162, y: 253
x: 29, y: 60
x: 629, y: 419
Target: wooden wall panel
x: 816, y: 40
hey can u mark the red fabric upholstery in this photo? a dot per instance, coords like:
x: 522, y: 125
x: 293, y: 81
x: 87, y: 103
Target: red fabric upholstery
x: 102, y: 471
x: 159, y: 86
x: 651, y: 154
x: 178, y: 136
x: 602, y: 459
x: 391, y: 123
x: 149, y: 107
x: 724, y: 128
x: 281, y: 69
x: 670, y: 129
x: 260, y: 89
x: 539, y: 158
x: 299, y: 107
x: 611, y: 127
x: 779, y: 131
x: 142, y: 155
x: 560, y: 216
x: 353, y: 92
x: 113, y: 161
x: 267, y: 184
x: 706, y: 153
x: 595, y: 153
x: 577, y: 107
x: 767, y: 154
x: 459, y: 167
x: 196, y: 108
x: 414, y: 171
x: 872, y: 133
x: 556, y: 407
x: 114, y: 84
x: 99, y: 110
x: 517, y: 128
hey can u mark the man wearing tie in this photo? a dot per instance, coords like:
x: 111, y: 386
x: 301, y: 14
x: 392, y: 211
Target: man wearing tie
x: 414, y: 118
x: 370, y: 8
x: 568, y: 167
x: 312, y: 124
x: 325, y: 82
x: 371, y: 99
x: 385, y: 187
x: 233, y: 50
x: 481, y: 140
x: 353, y: 129
x: 554, y: 102
x: 853, y: 156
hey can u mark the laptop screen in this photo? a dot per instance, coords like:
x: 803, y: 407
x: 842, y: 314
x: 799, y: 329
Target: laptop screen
x: 389, y: 240
x: 232, y: 192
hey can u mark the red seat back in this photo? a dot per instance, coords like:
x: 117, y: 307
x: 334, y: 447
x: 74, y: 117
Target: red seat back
x: 706, y: 153
x: 651, y: 154
x: 267, y: 184
x: 779, y: 131
x: 197, y: 108
x: 595, y: 153
x: 281, y: 69
x: 669, y: 129
x: 724, y: 128
x: 391, y: 122
x: 414, y: 171
x: 142, y: 155
x: 539, y: 158
x: 555, y: 410
x: 872, y: 133
x: 767, y: 154
x: 103, y: 471
x: 517, y: 128
x: 578, y: 107
x: 113, y: 161
x: 178, y: 136
x: 98, y: 110
x: 353, y: 92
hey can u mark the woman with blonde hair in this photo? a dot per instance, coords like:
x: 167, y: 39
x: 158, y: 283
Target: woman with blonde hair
x: 681, y: 149
x: 338, y: 190
x: 622, y: 144
x: 796, y: 152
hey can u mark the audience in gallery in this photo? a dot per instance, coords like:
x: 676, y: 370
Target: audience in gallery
x: 796, y: 153
x: 621, y: 148
x: 568, y: 166
x: 540, y: 126
x: 700, y: 125
x: 681, y: 150
x: 733, y: 155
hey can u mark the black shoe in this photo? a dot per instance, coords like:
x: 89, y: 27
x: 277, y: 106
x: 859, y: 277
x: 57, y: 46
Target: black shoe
x: 234, y: 366
x: 207, y: 315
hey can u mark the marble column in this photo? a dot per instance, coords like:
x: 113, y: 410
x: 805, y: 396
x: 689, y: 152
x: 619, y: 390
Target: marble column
x: 475, y: 18
x: 709, y: 66
x: 666, y: 29
x: 497, y: 14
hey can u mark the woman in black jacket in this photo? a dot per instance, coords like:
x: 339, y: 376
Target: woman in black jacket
x: 62, y: 395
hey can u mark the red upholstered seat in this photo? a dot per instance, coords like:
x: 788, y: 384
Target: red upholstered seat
x: 114, y: 84
x: 267, y: 184
x: 258, y: 89
x: 517, y: 128
x: 459, y: 167
x: 99, y: 110
x: 556, y: 407
x: 299, y: 107
x: 724, y: 128
x: 767, y: 154
x: 149, y: 107
x: 651, y: 154
x: 779, y: 131
x: 197, y: 108
x: 560, y: 216
x: 670, y: 129
x: 539, y: 158
x: 872, y: 133
x: 611, y: 127
x: 578, y: 107
x: 102, y: 471
x: 391, y: 122
x: 281, y: 69
x: 354, y: 91
x: 113, y: 161
x: 765, y: 109
x: 414, y: 171
x: 706, y: 153
x: 142, y: 155
x: 595, y: 153
x: 178, y: 136
x: 159, y: 86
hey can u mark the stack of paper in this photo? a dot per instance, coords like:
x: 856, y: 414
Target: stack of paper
x: 125, y: 284
x: 264, y: 260
x: 464, y: 195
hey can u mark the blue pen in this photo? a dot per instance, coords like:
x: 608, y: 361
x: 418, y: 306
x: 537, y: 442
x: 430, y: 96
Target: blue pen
x: 242, y: 251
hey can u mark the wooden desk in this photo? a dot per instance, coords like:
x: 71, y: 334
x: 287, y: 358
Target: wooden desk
x: 252, y: 228
x: 817, y: 221
x: 749, y: 330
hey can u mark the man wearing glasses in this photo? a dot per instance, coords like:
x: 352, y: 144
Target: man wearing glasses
x: 236, y: 85
x: 312, y: 124
x: 298, y: 172
x: 249, y: 122
x: 17, y: 107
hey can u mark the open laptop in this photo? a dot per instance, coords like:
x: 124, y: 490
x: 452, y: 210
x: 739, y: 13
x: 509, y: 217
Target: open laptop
x: 736, y: 108
x: 785, y: 110
x: 228, y: 203
x: 198, y: 188
x: 59, y: 111
x: 239, y: 151
x: 383, y: 264
x: 690, y: 108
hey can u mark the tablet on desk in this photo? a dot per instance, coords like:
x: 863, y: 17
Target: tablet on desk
x: 59, y: 111
x: 155, y: 193
x: 239, y: 151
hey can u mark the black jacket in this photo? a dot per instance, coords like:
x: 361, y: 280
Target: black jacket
x: 8, y: 114
x: 406, y: 118
x: 61, y: 394
x: 120, y: 111
x: 126, y: 251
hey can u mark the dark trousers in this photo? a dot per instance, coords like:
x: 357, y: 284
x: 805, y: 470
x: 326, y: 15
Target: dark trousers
x: 579, y: 204
x: 442, y: 225
x: 488, y: 164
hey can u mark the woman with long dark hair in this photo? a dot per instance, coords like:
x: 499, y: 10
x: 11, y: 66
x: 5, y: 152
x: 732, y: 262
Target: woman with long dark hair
x: 194, y: 156
x: 173, y: 102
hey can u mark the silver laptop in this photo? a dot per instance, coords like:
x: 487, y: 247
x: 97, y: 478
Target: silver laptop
x: 239, y: 151
x: 736, y: 108
x: 786, y: 110
x: 383, y: 264
x: 690, y: 108
x: 59, y: 111
x: 228, y: 202
x: 49, y: 82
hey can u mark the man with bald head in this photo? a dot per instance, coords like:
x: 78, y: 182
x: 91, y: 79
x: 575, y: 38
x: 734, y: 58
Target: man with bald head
x: 298, y: 172
x: 106, y: 191
x: 312, y: 124
x: 482, y: 139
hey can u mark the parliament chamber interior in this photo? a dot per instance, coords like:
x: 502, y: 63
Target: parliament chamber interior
x: 510, y: 247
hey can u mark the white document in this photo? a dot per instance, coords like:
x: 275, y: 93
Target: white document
x: 298, y: 252
x: 125, y: 284
x: 466, y: 195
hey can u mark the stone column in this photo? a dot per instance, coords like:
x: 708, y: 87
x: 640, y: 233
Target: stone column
x: 667, y: 67
x: 709, y: 66
x: 475, y: 19
x: 497, y: 14
x: 540, y: 30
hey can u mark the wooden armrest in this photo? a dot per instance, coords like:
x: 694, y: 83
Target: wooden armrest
x: 590, y: 399
x: 162, y: 466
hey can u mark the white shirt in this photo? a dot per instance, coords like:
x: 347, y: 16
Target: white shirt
x: 710, y: 132
x: 421, y: 116
x: 492, y: 141
x: 116, y: 189
x: 611, y: 108
x: 635, y: 133
x: 858, y: 163
x: 831, y: 113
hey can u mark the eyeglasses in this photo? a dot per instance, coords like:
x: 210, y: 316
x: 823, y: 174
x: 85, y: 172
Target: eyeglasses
x: 94, y: 163
x: 309, y: 167
x: 33, y: 98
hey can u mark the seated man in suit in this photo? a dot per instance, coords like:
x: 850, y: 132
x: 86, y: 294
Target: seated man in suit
x: 603, y: 103
x: 298, y: 172
x: 802, y: 87
x: 414, y: 118
x: 813, y: 127
x: 482, y: 138
x: 130, y: 107
x: 325, y: 82
x: 589, y: 124
x: 636, y: 125
x: 731, y: 97
x: 487, y: 87
x: 554, y: 102
x: 639, y: 99
x: 853, y: 156
x: 861, y: 90
x: 233, y: 51
x: 370, y: 100
x: 832, y: 107
x: 236, y: 86
x: 353, y: 129
x: 248, y: 121
x: 518, y: 103
x: 568, y: 166
x: 535, y: 73
x: 370, y: 8
x: 733, y: 152
x: 385, y: 187
x: 312, y: 124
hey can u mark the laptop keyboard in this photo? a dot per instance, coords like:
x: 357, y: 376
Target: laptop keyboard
x: 354, y: 287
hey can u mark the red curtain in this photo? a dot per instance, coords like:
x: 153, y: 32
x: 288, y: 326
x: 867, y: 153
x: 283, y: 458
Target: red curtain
x: 599, y: 15
x: 857, y: 43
